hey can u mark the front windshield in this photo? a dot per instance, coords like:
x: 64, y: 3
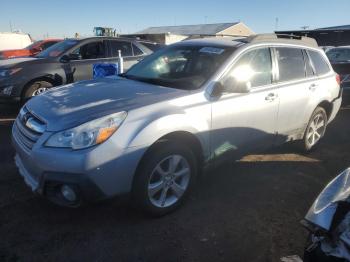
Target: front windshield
x: 339, y: 55
x: 57, y: 49
x: 183, y: 67
x: 33, y: 45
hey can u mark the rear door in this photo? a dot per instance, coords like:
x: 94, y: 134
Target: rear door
x: 129, y: 51
x: 91, y: 53
x: 296, y: 82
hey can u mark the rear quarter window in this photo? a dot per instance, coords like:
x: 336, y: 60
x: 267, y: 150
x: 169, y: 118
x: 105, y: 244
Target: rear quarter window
x: 320, y: 65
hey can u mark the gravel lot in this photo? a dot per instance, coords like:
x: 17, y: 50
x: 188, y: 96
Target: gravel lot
x: 244, y: 211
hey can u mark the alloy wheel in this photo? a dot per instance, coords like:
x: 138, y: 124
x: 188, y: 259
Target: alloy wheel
x: 316, y: 129
x: 169, y: 181
x: 39, y: 91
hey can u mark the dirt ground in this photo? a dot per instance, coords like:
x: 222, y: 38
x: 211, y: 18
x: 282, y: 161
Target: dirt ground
x: 247, y: 210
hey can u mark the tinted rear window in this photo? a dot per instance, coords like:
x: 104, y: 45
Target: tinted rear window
x: 291, y: 63
x: 123, y: 46
x: 319, y: 62
x: 339, y: 55
x: 137, y: 50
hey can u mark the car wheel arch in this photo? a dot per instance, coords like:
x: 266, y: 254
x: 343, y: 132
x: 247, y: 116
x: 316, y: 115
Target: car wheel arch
x: 48, y: 78
x: 327, y: 106
x: 187, y: 138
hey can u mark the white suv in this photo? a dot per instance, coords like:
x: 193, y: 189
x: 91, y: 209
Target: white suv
x: 151, y: 130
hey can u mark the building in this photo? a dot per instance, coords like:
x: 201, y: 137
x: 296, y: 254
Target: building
x: 171, y: 34
x: 327, y: 36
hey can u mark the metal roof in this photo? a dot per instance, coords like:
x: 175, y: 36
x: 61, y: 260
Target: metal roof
x: 188, y: 29
x: 341, y: 27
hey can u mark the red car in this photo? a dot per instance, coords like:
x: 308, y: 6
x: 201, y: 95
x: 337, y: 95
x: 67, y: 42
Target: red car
x: 30, y: 50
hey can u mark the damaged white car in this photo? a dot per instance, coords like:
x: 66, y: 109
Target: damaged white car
x: 328, y: 220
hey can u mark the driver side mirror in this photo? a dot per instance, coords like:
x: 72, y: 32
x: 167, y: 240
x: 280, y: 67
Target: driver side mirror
x: 231, y: 85
x: 67, y: 58
x: 37, y: 49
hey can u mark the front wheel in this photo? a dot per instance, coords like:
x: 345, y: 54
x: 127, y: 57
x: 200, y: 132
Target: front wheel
x: 316, y: 129
x: 164, y: 178
x: 35, y: 89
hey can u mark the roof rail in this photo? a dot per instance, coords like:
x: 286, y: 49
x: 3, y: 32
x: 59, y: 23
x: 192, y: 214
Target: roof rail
x: 278, y: 37
x: 215, y: 35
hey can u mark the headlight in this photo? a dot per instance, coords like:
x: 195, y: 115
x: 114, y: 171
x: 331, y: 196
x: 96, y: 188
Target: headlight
x: 9, y: 72
x: 89, y: 134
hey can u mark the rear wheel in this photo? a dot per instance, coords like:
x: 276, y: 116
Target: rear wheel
x: 316, y: 129
x: 36, y: 88
x: 164, y: 178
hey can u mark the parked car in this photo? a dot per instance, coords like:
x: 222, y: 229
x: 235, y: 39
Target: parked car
x: 30, y: 50
x: 328, y: 222
x: 150, y: 131
x: 66, y: 62
x: 340, y: 60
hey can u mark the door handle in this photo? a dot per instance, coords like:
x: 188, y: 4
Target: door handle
x: 313, y: 86
x: 271, y: 97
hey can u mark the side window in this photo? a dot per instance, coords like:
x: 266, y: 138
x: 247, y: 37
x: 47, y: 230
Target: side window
x: 291, y: 63
x: 319, y: 62
x: 308, y: 68
x: 136, y: 50
x: 92, y: 50
x: 253, y: 69
x: 47, y: 45
x: 123, y: 46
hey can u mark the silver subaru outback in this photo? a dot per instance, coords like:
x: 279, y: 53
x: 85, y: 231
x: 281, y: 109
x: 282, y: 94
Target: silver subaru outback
x: 149, y: 132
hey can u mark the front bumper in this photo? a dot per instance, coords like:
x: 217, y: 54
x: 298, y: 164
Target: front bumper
x: 95, y: 173
x: 9, y: 90
x: 50, y: 183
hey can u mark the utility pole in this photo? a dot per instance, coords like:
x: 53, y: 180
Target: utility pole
x: 276, y: 23
x: 11, y: 26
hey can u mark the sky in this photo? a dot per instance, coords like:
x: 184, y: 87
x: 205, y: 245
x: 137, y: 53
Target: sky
x: 64, y: 18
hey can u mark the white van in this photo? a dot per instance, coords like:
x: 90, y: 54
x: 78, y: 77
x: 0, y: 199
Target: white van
x: 14, y: 41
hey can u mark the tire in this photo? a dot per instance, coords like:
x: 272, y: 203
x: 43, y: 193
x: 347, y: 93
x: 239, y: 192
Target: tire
x: 315, y: 130
x: 36, y: 88
x: 159, y: 189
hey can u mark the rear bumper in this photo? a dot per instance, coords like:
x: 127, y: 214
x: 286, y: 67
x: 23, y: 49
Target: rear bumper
x: 336, y: 106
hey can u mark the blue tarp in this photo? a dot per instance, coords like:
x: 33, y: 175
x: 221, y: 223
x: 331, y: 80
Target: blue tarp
x: 103, y: 70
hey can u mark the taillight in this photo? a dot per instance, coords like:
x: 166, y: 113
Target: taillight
x: 337, y: 78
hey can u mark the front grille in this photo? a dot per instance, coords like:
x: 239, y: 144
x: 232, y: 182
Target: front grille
x: 26, y: 136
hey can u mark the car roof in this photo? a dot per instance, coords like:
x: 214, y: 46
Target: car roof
x: 235, y: 41
x: 109, y: 38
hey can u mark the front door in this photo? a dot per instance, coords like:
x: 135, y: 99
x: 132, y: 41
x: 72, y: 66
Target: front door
x: 244, y: 122
x: 90, y: 53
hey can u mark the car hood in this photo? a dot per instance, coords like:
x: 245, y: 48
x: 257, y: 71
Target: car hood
x: 8, y: 63
x: 71, y: 105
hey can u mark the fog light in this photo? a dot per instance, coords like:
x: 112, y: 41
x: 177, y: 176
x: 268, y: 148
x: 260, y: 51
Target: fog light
x: 7, y: 90
x: 68, y: 193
